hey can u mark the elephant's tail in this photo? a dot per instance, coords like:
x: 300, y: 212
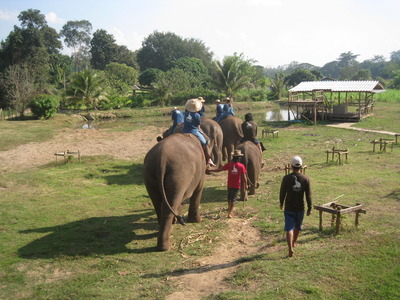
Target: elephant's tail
x: 164, y: 196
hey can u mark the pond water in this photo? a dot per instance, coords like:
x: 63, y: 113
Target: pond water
x: 274, y: 115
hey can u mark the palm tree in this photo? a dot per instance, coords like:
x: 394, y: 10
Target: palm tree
x: 277, y: 85
x: 85, y: 86
x: 233, y: 73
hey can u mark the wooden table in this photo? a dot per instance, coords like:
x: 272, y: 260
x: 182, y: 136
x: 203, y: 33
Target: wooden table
x: 337, y: 210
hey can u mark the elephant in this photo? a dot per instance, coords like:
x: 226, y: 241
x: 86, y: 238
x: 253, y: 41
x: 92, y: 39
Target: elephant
x: 214, y: 132
x: 232, y: 131
x: 174, y: 170
x: 252, y: 160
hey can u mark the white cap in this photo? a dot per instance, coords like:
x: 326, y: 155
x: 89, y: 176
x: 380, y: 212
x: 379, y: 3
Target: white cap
x: 297, y: 162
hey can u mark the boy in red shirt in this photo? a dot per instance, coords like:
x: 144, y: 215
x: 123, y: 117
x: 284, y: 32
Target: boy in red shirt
x: 236, y: 174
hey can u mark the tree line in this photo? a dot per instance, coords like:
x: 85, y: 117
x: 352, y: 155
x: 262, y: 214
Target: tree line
x: 167, y: 69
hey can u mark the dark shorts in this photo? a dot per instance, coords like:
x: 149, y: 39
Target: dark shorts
x: 293, y: 219
x: 233, y: 194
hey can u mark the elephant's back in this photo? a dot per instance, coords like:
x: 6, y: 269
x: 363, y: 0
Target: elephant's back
x: 177, y: 148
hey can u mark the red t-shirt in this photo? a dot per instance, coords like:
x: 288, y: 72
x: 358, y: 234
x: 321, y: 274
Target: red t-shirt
x: 235, y: 171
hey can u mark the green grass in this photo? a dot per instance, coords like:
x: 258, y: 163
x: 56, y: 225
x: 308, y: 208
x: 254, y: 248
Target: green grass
x: 88, y: 230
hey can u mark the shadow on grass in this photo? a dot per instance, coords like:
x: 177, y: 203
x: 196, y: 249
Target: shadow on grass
x: 103, y: 235
x: 119, y: 174
x: 132, y: 174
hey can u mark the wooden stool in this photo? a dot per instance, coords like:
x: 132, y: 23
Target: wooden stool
x: 267, y: 132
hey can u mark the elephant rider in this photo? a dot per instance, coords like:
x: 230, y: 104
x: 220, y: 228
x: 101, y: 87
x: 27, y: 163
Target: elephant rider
x: 249, y: 128
x: 219, y: 110
x: 203, y: 108
x: 177, y: 117
x: 228, y: 108
x: 191, y: 124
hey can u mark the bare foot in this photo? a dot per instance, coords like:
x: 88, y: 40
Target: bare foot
x: 291, y: 253
x: 294, y: 245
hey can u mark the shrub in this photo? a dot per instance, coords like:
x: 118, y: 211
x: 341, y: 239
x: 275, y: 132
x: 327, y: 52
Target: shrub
x: 44, y: 106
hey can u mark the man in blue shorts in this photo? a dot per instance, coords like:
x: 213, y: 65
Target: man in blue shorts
x: 293, y: 188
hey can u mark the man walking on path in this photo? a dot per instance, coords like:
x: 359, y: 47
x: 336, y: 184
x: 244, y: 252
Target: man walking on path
x: 293, y: 188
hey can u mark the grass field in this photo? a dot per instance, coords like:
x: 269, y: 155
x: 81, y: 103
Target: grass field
x: 88, y: 230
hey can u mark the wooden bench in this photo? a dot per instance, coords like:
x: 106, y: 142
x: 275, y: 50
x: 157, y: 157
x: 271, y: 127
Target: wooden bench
x: 396, y: 136
x: 338, y: 152
x: 268, y: 132
x: 68, y: 153
x: 383, y: 144
x: 337, y: 210
x: 288, y: 169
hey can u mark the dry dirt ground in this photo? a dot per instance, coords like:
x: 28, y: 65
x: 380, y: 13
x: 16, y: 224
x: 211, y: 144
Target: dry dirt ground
x: 209, y: 278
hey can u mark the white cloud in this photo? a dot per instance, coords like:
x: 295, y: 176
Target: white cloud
x: 133, y: 41
x: 8, y: 16
x: 52, y: 18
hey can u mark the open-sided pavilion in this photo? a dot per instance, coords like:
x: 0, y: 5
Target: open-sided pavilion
x: 334, y: 100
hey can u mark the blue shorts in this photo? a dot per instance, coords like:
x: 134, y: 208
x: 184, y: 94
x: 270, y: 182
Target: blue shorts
x: 293, y: 219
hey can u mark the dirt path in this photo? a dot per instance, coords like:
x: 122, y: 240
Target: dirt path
x: 349, y: 126
x: 126, y: 145
x: 209, y: 277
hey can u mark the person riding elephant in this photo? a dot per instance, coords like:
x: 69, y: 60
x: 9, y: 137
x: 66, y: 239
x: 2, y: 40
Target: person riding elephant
x: 219, y: 110
x: 177, y: 117
x: 232, y: 132
x: 191, y: 124
x: 252, y: 161
x: 249, y: 128
x: 202, y: 111
x: 174, y: 171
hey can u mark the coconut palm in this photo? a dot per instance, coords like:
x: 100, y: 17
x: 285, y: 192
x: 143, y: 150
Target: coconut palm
x: 233, y: 73
x: 85, y: 86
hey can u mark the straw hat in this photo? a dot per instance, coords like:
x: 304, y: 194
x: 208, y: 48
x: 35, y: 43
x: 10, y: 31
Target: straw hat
x: 201, y: 99
x: 193, y: 105
x: 227, y: 99
x: 237, y: 153
x: 217, y: 101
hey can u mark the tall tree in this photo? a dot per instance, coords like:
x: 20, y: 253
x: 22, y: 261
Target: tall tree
x: 195, y: 67
x: 103, y: 49
x: 31, y: 45
x: 19, y: 83
x: 77, y: 35
x: 160, y: 50
x: 298, y: 76
x: 235, y: 72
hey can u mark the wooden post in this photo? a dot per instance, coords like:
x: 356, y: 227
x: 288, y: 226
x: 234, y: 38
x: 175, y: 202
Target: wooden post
x: 357, y: 215
x: 320, y: 220
x: 338, y: 219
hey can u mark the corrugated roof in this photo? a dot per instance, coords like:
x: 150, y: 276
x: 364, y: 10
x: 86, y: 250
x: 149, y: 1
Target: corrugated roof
x: 339, y: 86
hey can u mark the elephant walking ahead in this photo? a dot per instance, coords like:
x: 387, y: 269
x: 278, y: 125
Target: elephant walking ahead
x: 252, y: 161
x: 232, y: 130
x: 214, y: 132
x: 174, y: 170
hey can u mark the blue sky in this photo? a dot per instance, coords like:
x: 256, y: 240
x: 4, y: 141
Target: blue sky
x: 272, y: 32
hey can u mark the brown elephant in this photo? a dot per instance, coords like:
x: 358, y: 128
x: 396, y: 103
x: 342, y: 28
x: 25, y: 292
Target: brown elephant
x: 213, y: 135
x: 232, y: 131
x: 252, y: 161
x: 174, y: 170
x: 214, y: 132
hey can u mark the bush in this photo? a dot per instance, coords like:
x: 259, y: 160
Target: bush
x: 44, y: 106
